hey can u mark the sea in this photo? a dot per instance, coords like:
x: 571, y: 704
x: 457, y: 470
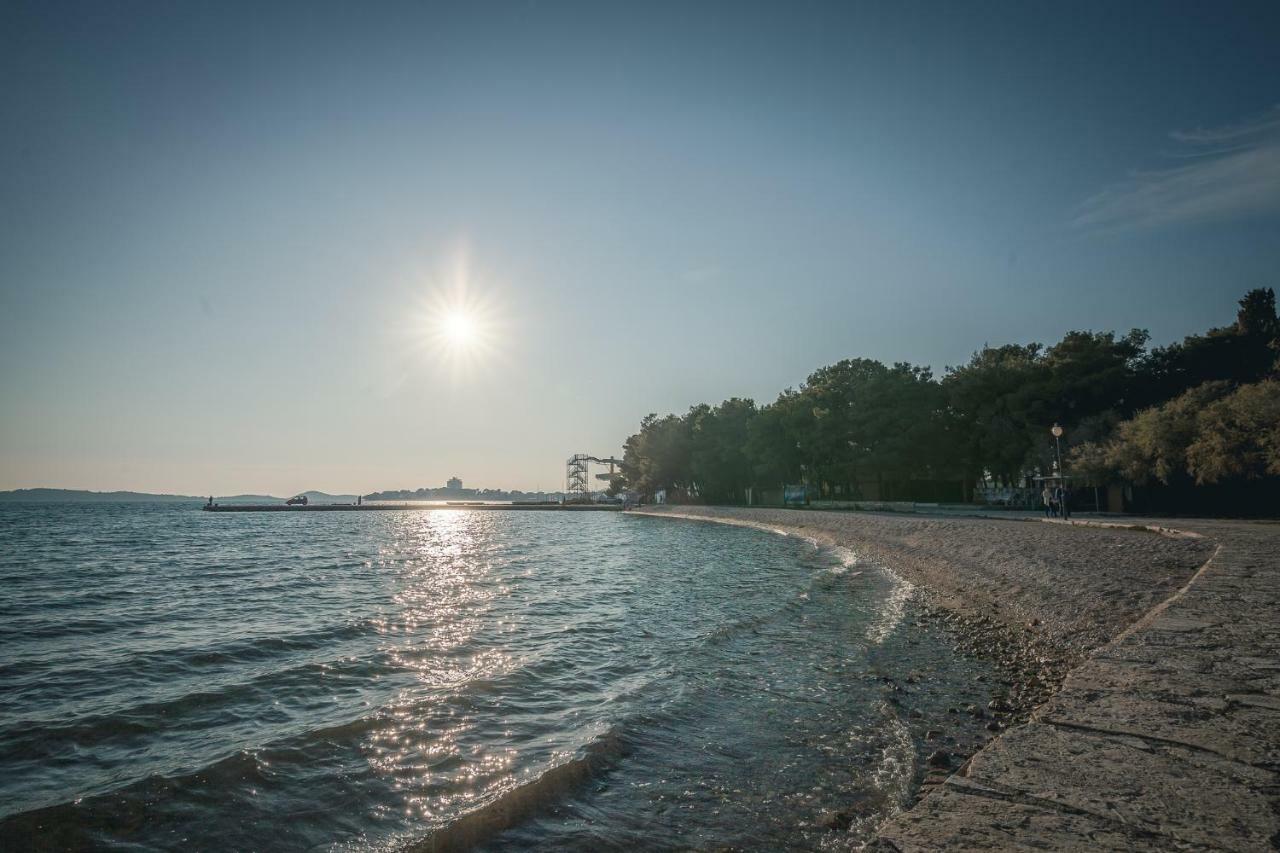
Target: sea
x: 454, y: 679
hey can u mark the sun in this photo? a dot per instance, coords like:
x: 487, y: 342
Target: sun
x: 463, y: 333
x: 458, y: 328
x: 458, y: 323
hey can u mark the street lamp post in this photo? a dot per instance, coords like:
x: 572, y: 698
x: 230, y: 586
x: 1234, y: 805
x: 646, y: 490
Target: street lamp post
x: 1062, y: 480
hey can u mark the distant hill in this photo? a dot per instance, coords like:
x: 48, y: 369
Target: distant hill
x: 326, y: 498
x: 84, y: 496
x: 312, y: 496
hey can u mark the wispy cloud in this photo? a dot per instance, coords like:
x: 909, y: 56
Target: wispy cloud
x: 1226, y: 172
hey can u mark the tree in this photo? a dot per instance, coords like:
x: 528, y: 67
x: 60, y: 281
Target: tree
x: 1203, y: 411
x: 719, y: 464
x: 1241, y: 353
x: 658, y: 456
x: 776, y: 440
x: 1257, y: 315
x: 988, y: 398
x: 1210, y: 434
x: 1238, y: 436
x: 1088, y: 374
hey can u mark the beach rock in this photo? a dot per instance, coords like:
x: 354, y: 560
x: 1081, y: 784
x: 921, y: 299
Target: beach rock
x: 932, y: 734
x: 995, y: 726
x: 999, y: 704
x: 939, y: 758
x: 835, y: 820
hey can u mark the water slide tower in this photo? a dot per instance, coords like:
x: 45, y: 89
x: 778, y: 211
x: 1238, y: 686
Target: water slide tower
x: 577, y: 475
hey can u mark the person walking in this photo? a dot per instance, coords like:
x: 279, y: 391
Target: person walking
x: 1060, y: 498
x: 1047, y: 497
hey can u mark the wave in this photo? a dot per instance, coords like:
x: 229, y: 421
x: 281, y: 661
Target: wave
x: 98, y: 806
x: 517, y: 804
x: 891, y: 781
x: 81, y: 824
x: 846, y: 559
x: 180, y: 660
x: 43, y: 738
x: 893, y: 611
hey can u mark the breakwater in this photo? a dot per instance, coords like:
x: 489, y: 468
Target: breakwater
x: 382, y: 507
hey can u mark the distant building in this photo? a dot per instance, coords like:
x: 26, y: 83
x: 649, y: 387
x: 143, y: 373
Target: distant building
x: 453, y: 483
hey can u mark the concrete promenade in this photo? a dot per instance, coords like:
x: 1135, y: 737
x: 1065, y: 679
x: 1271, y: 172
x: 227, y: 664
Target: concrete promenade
x: 1166, y: 739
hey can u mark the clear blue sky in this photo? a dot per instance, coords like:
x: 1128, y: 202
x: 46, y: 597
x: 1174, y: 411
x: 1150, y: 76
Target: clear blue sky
x: 222, y: 225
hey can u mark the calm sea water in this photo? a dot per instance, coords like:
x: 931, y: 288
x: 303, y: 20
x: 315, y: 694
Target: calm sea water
x: 172, y: 679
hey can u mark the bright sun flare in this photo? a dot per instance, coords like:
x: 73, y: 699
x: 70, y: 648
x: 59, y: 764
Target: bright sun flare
x: 458, y: 328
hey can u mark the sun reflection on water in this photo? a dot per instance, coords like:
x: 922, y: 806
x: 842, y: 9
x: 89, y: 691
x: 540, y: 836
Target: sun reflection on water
x: 427, y: 745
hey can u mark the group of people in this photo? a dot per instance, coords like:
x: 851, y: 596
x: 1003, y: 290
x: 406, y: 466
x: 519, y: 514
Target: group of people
x: 1055, y: 501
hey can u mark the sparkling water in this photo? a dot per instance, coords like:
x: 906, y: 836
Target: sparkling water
x: 450, y: 679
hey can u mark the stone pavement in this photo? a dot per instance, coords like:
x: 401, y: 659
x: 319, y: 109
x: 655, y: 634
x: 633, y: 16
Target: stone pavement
x: 1166, y: 739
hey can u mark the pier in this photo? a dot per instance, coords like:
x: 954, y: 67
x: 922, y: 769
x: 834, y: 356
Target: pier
x: 382, y: 507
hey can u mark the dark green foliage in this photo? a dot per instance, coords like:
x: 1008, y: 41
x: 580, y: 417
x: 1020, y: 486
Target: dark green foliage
x: 1210, y: 434
x: 1241, y: 353
x: 718, y: 460
x: 1223, y: 423
x: 1192, y: 411
x: 658, y: 457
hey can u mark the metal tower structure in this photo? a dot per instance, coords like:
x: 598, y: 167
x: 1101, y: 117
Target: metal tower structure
x: 577, y: 488
x: 577, y: 475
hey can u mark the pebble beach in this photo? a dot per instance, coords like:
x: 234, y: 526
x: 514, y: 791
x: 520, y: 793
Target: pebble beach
x: 1104, y: 671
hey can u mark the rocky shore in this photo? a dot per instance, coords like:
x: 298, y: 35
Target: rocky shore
x: 1046, y: 603
x: 1034, y: 598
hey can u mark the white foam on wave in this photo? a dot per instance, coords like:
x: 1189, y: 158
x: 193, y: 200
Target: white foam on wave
x: 893, y: 775
x: 886, y: 787
x: 846, y: 558
x: 895, y: 608
x: 897, y: 766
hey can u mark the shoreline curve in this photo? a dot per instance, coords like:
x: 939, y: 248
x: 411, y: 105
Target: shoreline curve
x: 1158, y: 726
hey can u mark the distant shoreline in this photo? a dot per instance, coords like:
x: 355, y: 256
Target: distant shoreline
x: 374, y: 507
x: 45, y: 495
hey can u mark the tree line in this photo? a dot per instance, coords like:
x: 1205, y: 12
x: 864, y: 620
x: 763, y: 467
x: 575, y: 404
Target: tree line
x: 1205, y: 410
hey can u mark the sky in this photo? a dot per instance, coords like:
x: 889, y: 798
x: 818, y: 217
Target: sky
x: 229, y: 232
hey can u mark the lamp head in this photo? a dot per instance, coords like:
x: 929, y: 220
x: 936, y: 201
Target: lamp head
x: 1057, y: 431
